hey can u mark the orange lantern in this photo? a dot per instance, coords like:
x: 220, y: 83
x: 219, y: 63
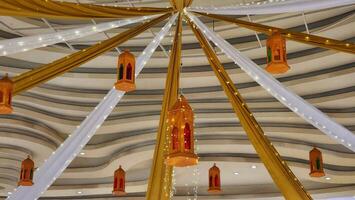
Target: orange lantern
x: 6, y: 86
x: 181, y: 129
x: 119, y: 182
x: 214, y: 180
x: 126, y: 72
x: 316, y: 163
x: 27, y: 169
x: 276, y: 54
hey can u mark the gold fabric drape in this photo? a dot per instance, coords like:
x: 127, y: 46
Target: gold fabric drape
x: 180, y: 4
x: 46, y: 72
x: 159, y: 184
x: 66, y: 10
x: 283, y: 177
x: 323, y: 42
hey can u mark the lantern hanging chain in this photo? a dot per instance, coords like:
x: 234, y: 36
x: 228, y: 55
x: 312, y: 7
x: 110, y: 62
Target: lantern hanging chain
x: 180, y: 87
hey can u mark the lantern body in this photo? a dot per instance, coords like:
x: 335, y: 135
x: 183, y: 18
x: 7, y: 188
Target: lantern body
x: 316, y: 163
x: 214, y: 180
x: 6, y: 86
x: 181, y: 131
x: 276, y: 54
x: 126, y: 72
x: 27, y: 170
x: 119, y: 182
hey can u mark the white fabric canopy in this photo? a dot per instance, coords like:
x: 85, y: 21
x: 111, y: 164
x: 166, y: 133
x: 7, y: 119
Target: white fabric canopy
x: 274, y: 7
x: 294, y: 102
x: 62, y: 157
x: 26, y: 43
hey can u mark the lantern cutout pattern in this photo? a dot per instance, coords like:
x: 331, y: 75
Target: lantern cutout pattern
x: 119, y: 182
x: 316, y: 163
x: 214, y: 180
x: 6, y: 86
x: 276, y: 54
x: 27, y: 170
x: 126, y: 72
x: 181, y: 131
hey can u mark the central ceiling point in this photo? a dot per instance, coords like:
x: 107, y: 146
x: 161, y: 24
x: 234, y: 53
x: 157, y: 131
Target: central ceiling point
x: 180, y: 4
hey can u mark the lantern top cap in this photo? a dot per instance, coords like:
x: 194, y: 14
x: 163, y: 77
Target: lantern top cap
x: 275, y: 33
x: 125, y: 53
x: 6, y: 79
x: 181, y: 103
x: 315, y: 150
x: 214, y: 167
x: 120, y: 169
x: 28, y: 160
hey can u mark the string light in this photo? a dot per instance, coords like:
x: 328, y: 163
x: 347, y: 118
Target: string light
x: 17, y: 45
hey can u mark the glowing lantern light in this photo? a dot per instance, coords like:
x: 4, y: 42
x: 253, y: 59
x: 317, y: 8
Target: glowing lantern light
x: 214, y: 180
x: 126, y: 72
x: 6, y: 86
x: 119, y: 182
x: 276, y: 54
x: 27, y: 170
x: 316, y: 163
x: 181, y: 129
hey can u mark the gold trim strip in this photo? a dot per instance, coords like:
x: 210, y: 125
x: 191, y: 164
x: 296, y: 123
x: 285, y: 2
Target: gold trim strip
x: 323, y: 42
x: 283, y: 177
x: 159, y: 185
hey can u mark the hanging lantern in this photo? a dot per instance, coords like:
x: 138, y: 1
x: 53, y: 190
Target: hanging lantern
x: 316, y: 163
x: 214, y: 180
x: 181, y: 131
x: 276, y: 54
x: 6, y: 86
x: 126, y: 72
x: 119, y: 182
x: 26, y: 175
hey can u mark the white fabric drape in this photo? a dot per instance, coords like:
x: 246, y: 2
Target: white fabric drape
x: 26, y: 43
x: 294, y: 102
x: 61, y: 158
x: 267, y: 7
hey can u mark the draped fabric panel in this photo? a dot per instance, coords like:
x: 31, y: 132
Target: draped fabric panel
x: 66, y: 10
x: 298, y: 105
x: 56, y: 68
x: 283, y: 177
x: 26, y: 43
x: 315, y: 40
x: 261, y: 8
x: 63, y: 156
